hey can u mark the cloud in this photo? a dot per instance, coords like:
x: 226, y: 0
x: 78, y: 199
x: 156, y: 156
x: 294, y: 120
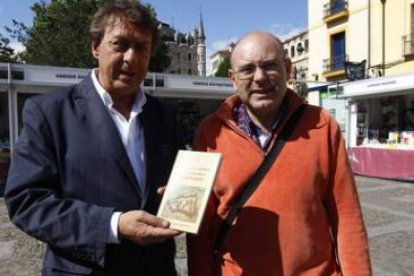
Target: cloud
x: 214, y: 47
x: 17, y: 46
x: 285, y: 31
x: 222, y: 44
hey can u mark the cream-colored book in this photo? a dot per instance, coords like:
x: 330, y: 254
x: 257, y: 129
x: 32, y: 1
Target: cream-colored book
x: 188, y: 189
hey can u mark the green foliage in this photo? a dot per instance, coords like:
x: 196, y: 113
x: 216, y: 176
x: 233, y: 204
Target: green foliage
x: 59, y: 36
x: 6, y: 52
x: 160, y: 61
x: 223, y: 69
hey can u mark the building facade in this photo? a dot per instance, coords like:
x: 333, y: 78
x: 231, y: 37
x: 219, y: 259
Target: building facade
x: 365, y: 49
x: 217, y: 58
x: 297, y: 50
x: 186, y: 51
x: 377, y: 32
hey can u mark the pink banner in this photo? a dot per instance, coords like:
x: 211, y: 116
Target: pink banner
x: 383, y: 163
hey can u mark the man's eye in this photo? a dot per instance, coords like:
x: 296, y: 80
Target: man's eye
x: 246, y: 70
x: 119, y: 45
x: 272, y: 66
x: 143, y: 47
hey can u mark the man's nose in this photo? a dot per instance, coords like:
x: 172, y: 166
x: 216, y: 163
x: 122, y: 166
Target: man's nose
x: 130, y: 55
x: 259, y: 73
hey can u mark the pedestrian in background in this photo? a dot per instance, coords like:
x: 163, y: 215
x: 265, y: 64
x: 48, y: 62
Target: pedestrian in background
x: 88, y: 163
x: 300, y: 215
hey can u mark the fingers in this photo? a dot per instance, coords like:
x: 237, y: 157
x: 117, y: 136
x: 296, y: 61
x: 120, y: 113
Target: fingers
x: 161, y: 190
x: 144, y: 228
x: 154, y: 234
x: 151, y: 220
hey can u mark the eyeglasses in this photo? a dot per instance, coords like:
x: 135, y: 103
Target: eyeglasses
x: 269, y: 67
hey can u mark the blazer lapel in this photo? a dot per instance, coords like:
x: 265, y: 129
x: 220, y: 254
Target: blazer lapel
x: 103, y: 126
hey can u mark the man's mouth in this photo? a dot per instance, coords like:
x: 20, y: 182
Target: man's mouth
x: 260, y: 91
x: 128, y: 74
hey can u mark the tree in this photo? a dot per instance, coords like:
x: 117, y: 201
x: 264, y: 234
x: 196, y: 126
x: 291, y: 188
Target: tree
x: 223, y: 69
x: 160, y: 61
x: 6, y: 52
x: 60, y: 35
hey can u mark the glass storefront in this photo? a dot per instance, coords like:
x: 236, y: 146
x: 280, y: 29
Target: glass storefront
x: 5, y: 132
x: 4, y: 120
x: 4, y: 139
x: 387, y: 121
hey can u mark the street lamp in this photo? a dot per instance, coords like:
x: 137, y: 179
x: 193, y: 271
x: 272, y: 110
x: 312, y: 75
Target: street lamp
x: 383, y: 36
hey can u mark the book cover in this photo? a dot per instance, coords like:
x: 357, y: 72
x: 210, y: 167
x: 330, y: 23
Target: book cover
x: 188, y: 189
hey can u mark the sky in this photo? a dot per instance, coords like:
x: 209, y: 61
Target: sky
x: 224, y: 20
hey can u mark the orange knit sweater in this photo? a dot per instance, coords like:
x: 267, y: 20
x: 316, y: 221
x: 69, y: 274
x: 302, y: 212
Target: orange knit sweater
x: 285, y: 227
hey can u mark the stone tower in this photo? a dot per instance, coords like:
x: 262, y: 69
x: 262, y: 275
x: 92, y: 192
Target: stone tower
x: 186, y: 51
x: 201, y: 49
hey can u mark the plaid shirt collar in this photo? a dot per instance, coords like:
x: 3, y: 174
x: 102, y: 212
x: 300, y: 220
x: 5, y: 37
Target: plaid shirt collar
x: 245, y: 123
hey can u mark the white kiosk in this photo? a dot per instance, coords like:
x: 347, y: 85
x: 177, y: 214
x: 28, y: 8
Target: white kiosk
x: 380, y: 126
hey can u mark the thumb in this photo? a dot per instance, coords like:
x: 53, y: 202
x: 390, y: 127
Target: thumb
x: 161, y: 190
x: 154, y: 220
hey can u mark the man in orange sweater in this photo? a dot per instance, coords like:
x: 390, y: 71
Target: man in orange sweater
x: 304, y: 218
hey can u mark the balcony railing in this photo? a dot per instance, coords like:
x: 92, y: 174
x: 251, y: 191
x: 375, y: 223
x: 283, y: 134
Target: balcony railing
x: 408, y: 45
x: 334, y: 7
x: 335, y: 63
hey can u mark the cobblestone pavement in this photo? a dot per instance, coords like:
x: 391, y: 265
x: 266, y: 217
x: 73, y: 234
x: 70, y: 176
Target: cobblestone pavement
x: 388, y: 212
x: 388, y: 208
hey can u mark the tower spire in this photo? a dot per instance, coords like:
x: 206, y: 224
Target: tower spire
x: 201, y: 48
x: 201, y: 27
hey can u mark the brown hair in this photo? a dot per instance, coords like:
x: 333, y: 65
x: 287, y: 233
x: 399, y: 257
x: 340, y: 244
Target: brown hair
x: 129, y: 11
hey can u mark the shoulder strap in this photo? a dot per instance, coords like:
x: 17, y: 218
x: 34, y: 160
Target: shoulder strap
x: 258, y: 176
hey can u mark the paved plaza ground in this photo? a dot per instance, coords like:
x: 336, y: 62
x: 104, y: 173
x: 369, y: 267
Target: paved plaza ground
x: 388, y: 212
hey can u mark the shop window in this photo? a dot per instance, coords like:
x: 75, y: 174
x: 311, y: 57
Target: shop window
x: 4, y: 140
x: 15, y: 74
x: 4, y: 120
x: 409, y: 115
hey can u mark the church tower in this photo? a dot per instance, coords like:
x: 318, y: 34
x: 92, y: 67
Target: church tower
x: 201, y: 49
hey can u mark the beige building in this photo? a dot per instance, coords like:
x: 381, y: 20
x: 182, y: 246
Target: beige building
x: 398, y: 44
x: 297, y: 49
x: 217, y: 58
x: 365, y: 50
x: 377, y: 31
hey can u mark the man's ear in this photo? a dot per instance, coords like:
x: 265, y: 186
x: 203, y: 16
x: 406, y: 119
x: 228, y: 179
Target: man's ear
x: 232, y: 78
x: 95, y: 49
x: 288, y: 66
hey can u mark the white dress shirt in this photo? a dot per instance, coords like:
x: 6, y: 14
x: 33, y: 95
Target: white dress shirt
x: 131, y: 134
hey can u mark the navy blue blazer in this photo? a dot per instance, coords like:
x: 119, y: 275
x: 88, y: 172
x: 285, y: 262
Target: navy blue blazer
x: 69, y: 173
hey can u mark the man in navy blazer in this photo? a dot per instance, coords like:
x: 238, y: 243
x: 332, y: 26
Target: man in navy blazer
x: 88, y: 163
